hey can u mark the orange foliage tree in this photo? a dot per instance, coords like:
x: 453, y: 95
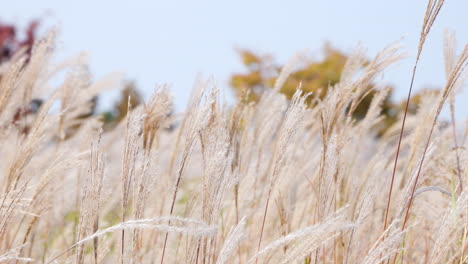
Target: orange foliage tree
x: 314, y: 76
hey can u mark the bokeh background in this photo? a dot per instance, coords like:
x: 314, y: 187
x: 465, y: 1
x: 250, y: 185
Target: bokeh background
x: 156, y: 42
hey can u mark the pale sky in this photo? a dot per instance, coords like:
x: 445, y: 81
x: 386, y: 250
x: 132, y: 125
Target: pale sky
x: 157, y: 42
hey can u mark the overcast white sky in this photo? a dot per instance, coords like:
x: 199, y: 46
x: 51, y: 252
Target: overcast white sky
x: 157, y: 42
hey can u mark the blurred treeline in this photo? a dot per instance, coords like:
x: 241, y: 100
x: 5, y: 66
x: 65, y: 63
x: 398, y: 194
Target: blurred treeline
x: 261, y: 71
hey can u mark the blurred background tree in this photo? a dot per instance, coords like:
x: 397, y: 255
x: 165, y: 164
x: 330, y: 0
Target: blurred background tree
x: 11, y: 45
x: 315, y: 76
x: 262, y: 72
x: 129, y: 97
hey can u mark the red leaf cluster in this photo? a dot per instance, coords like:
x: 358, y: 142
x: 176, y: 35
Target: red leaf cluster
x: 9, y: 42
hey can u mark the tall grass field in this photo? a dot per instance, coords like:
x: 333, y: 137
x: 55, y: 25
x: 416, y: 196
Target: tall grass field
x: 272, y: 181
